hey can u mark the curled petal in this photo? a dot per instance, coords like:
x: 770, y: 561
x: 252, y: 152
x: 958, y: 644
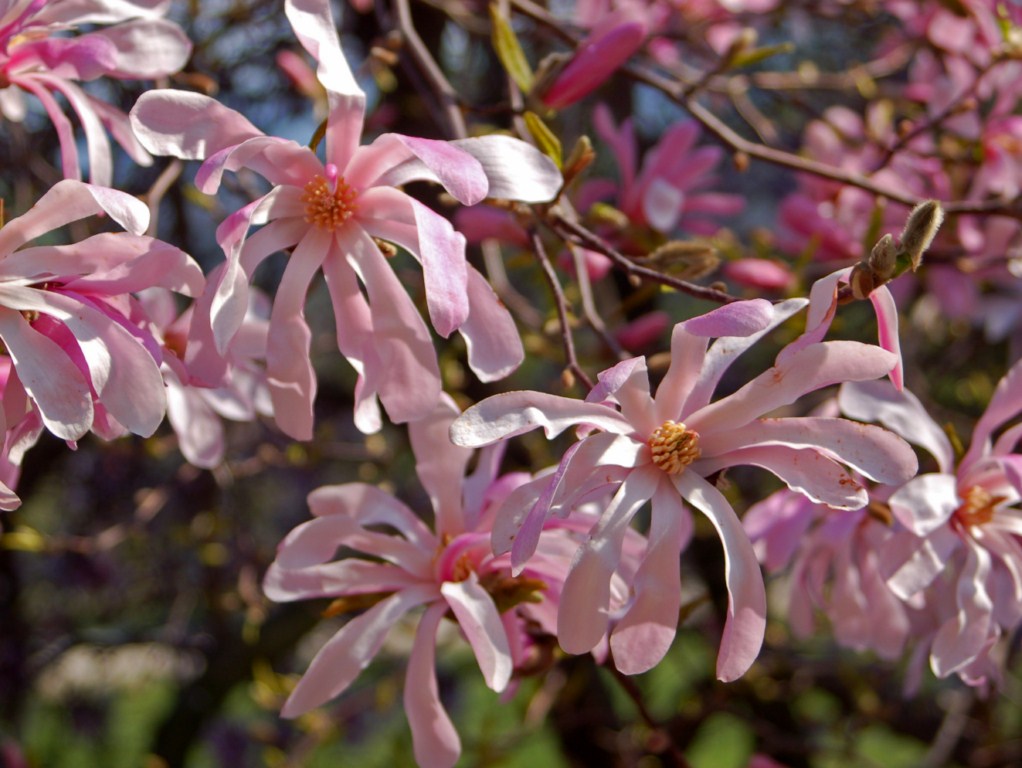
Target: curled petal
x: 514, y: 169
x: 746, y: 612
x: 187, y: 125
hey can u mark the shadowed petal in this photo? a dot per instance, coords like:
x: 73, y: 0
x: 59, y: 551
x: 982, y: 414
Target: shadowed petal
x: 187, y: 125
x: 434, y: 739
x: 479, y: 620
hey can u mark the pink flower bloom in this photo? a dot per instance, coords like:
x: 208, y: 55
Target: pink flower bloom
x: 330, y: 212
x: 448, y: 570
x: 663, y: 449
x: 195, y: 413
x: 36, y: 58
x: 759, y: 273
x: 65, y: 309
x: 21, y: 427
x: 962, y: 524
x: 671, y: 190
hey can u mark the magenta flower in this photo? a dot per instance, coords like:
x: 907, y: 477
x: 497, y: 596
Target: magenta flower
x: 450, y: 570
x: 663, y: 449
x: 65, y: 313
x: 36, y: 58
x: 673, y: 187
x: 329, y: 213
x: 962, y: 524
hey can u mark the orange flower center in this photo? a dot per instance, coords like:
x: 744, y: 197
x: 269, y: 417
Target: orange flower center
x: 978, y: 507
x: 674, y: 447
x: 328, y: 205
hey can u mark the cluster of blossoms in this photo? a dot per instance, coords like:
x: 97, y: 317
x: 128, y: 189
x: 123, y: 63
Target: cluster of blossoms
x: 95, y: 340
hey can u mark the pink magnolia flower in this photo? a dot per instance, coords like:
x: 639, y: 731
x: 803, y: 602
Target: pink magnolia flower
x: 37, y: 58
x: 672, y: 189
x: 664, y: 449
x: 962, y: 524
x: 450, y: 570
x: 21, y: 427
x: 65, y: 313
x: 196, y: 413
x: 330, y: 212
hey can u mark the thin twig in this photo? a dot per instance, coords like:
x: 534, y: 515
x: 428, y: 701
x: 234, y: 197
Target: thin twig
x: 562, y: 309
x: 672, y: 751
x: 431, y: 71
x: 576, y: 233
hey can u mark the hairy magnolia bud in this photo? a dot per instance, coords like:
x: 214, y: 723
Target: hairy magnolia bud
x: 883, y: 258
x: 862, y: 281
x: 920, y: 229
x: 688, y: 260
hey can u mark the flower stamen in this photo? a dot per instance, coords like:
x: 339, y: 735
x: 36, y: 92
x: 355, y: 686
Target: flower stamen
x: 674, y: 447
x: 978, y: 507
x: 328, y: 204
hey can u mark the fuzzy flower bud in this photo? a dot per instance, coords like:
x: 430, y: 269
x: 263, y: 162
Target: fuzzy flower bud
x: 883, y: 258
x: 920, y: 229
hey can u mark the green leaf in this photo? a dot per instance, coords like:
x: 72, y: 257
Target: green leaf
x: 548, y: 143
x: 756, y: 55
x: 509, y: 50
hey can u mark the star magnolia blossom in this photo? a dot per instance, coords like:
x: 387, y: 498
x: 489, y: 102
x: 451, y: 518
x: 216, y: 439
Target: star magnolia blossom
x: 663, y: 449
x: 65, y: 313
x: 37, y: 58
x: 451, y: 570
x: 330, y: 212
x: 963, y: 526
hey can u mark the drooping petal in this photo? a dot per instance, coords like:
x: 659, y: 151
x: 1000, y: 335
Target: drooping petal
x: 369, y: 505
x: 68, y: 201
x: 876, y: 453
x: 514, y: 169
x: 492, y: 342
x: 441, y: 465
x: 187, y: 125
x: 515, y: 413
x: 434, y: 739
x: 812, y: 368
x: 279, y: 161
x: 746, y: 613
x: 392, y: 215
x: 585, y: 599
x: 887, y: 329
x: 393, y: 160
x: 289, y: 372
x: 52, y: 381
x: 348, y: 652
x: 479, y: 620
x: 1005, y: 404
x: 960, y: 640
x: 644, y: 634
x: 900, y: 412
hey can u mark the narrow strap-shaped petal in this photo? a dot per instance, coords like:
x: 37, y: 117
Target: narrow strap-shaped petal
x: 348, y: 577
x: 200, y: 433
x: 394, y: 159
x: 371, y: 506
x: 514, y: 169
x: 515, y: 413
x: 815, y: 367
x: 746, y: 612
x: 187, y: 125
x: 822, y: 307
x: 585, y: 599
x: 880, y: 455
x: 68, y: 201
x: 887, y: 329
x: 739, y: 318
x: 479, y: 620
x: 97, y: 145
x: 349, y: 651
x: 644, y: 634
x: 434, y: 739
x: 900, y: 412
x: 715, y: 362
x: 404, y: 368
x: 289, y: 372
x: 54, y: 383
x: 811, y: 473
x: 147, y: 48
x: 913, y: 563
x: 1005, y: 404
x: 961, y: 639
x: 627, y: 384
x: 65, y: 132
x: 430, y: 237
x: 279, y: 161
x: 492, y: 342
x: 441, y: 465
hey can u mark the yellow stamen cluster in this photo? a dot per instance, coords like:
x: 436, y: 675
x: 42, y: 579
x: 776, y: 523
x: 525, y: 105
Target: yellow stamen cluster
x: 326, y: 207
x: 674, y: 447
x: 978, y: 507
